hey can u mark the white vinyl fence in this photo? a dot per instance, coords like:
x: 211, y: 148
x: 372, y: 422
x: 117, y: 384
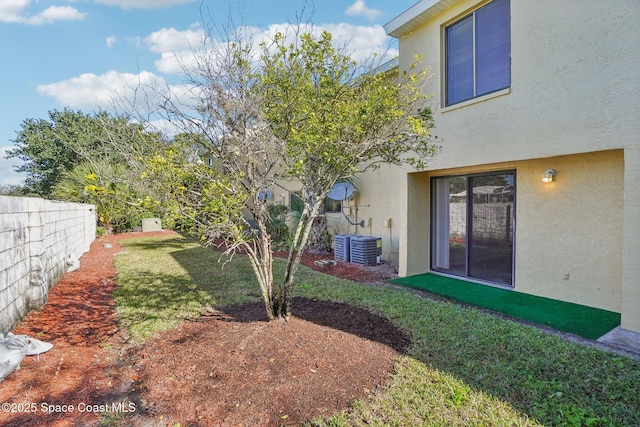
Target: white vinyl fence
x: 39, y: 240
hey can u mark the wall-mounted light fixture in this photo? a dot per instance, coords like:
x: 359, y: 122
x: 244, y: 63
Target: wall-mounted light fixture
x: 549, y: 175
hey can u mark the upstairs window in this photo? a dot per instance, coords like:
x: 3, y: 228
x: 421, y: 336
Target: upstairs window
x: 478, y: 53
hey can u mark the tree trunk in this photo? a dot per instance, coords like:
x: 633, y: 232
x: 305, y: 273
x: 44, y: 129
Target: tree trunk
x: 298, y: 246
x: 281, y: 305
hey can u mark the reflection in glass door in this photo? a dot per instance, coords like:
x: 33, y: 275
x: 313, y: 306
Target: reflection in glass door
x: 473, y: 218
x: 450, y: 224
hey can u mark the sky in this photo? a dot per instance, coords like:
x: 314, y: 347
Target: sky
x: 82, y: 54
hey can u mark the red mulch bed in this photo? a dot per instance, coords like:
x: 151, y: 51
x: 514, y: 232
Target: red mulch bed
x: 229, y: 367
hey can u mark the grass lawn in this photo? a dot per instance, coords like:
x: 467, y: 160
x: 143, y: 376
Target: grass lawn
x: 465, y: 367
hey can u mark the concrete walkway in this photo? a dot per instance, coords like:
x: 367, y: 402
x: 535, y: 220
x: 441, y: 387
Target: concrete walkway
x: 622, y: 340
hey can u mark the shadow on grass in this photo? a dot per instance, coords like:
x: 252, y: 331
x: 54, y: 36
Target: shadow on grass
x: 234, y: 284
x: 540, y: 375
x: 151, y: 299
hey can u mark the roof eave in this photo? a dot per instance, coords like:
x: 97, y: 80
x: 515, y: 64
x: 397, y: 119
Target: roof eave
x: 415, y: 16
x: 388, y: 67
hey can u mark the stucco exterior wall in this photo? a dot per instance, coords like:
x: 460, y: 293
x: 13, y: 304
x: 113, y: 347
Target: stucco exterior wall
x: 572, y: 226
x: 575, y: 88
x: 631, y: 241
x: 379, y: 200
x: 381, y: 197
x: 574, y: 83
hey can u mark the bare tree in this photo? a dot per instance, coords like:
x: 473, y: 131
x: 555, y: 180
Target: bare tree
x: 292, y: 108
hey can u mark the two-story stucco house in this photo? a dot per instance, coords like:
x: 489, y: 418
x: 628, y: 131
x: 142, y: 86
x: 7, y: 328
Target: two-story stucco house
x: 537, y: 184
x: 521, y: 87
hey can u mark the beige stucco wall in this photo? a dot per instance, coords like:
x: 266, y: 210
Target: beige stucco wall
x: 571, y: 226
x: 379, y: 200
x: 575, y: 88
x: 631, y: 240
x: 574, y: 83
x: 381, y: 197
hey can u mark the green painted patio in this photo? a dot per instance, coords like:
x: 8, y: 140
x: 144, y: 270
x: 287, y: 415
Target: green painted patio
x: 587, y: 322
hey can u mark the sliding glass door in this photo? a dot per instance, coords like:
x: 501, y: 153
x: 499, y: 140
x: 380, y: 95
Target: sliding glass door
x: 473, y: 218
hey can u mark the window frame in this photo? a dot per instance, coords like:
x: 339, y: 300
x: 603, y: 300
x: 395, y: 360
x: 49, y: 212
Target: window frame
x: 446, y: 58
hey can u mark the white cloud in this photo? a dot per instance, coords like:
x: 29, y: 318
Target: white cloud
x: 362, y: 42
x: 110, y: 41
x: 107, y: 91
x: 171, y: 40
x: 359, y: 41
x: 144, y: 4
x: 134, y: 94
x: 15, y: 179
x: 175, y: 62
x: 56, y: 13
x: 10, y: 9
x: 360, y: 8
x: 178, y: 49
x: 165, y: 127
x: 15, y: 11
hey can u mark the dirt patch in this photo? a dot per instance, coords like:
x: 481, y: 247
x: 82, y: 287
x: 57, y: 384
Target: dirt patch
x: 229, y: 367
x: 80, y: 321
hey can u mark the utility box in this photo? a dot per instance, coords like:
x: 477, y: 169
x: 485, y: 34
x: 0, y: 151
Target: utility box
x: 151, y: 224
x: 365, y: 250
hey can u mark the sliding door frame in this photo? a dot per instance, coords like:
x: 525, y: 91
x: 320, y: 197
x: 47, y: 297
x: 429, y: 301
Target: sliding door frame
x: 437, y: 222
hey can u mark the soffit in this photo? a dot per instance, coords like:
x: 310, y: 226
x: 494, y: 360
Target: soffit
x: 416, y: 15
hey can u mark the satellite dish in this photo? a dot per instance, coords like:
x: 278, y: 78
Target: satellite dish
x: 340, y: 191
x: 265, y: 195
